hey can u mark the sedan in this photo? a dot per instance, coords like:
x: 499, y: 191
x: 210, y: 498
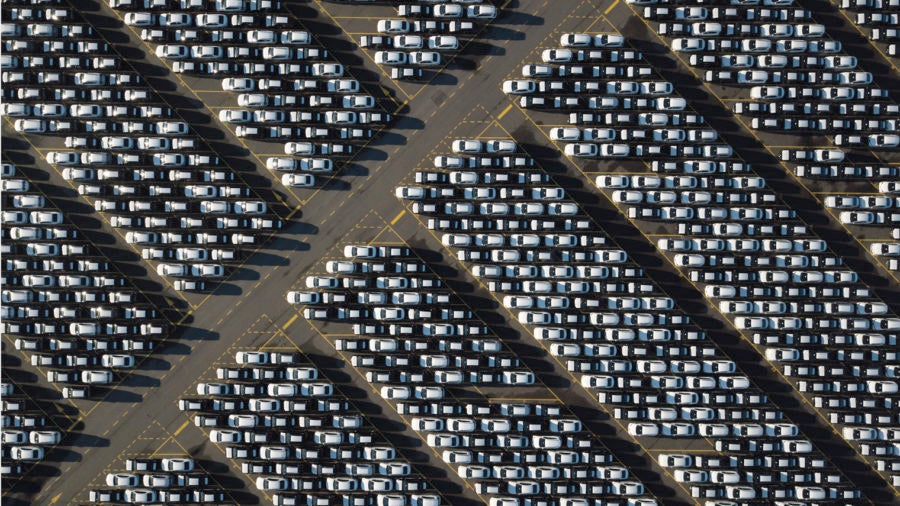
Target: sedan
x: 238, y: 84
x: 122, y: 480
x: 443, y: 42
x: 519, y: 87
x: 582, y: 150
x: 425, y: 58
x: 390, y: 58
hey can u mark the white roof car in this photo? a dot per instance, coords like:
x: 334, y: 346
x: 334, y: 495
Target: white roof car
x: 519, y: 87
x: 614, y: 150
x: 390, y: 58
x: 481, y: 11
x: 576, y: 40
x: 96, y: 377
x: 235, y: 116
x: 582, y: 149
x: 565, y: 134
x: 393, y: 26
x: 688, y: 44
x: 448, y: 11
x: 424, y: 58
x: 249, y: 207
x: 298, y: 180
x: 443, y: 42
x: 238, y: 84
x: 172, y: 51
x: 117, y: 361
x: 466, y: 146
x: 327, y: 70
x: 500, y: 146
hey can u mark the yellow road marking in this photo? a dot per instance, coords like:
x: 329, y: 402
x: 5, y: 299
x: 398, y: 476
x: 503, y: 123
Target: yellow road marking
x: 55, y: 498
x: 500, y: 116
x: 397, y: 218
x: 289, y: 322
x: 179, y: 429
x: 611, y: 7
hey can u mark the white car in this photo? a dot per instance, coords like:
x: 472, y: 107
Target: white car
x: 500, y: 146
x: 393, y: 26
x: 582, y: 149
x: 172, y: 51
x: 391, y: 58
x: 519, y: 87
x: 467, y: 146
x: 685, y: 45
x: 235, y: 116
x: 298, y: 180
x: 425, y: 58
x: 238, y: 84
x: 117, y: 361
x: 443, y: 42
x: 44, y: 437
x: 481, y: 11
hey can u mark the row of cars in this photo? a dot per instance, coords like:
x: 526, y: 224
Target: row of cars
x: 790, y: 65
x: 27, y: 434
x: 132, y: 155
x: 63, y: 303
x: 301, y: 440
x: 879, y: 212
x: 597, y: 312
x: 169, y: 480
x: 626, y: 111
x: 878, y: 19
x: 742, y: 246
x: 392, y: 300
x: 289, y: 89
x: 425, y: 36
x: 783, y: 56
x: 432, y: 344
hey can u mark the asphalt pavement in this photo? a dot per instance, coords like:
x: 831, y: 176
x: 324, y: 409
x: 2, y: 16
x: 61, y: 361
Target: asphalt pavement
x: 468, y: 85
x: 460, y: 100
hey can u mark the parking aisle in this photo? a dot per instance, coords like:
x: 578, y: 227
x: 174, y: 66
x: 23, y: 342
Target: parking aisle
x: 454, y: 219
x: 823, y: 125
x: 429, y: 349
x: 619, y: 176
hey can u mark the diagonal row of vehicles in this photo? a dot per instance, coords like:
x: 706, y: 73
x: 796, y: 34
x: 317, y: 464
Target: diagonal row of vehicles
x: 426, y: 35
x: 132, y: 155
x: 299, y: 438
x: 744, y: 248
x: 78, y: 318
x: 558, y: 273
x: 167, y: 480
x: 878, y: 19
x: 288, y: 88
x: 419, y: 346
x: 27, y: 434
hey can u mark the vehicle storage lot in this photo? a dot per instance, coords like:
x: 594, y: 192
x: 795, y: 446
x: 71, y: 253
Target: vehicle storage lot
x: 457, y: 102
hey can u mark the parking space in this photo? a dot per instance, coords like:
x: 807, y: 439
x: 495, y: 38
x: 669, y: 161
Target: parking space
x: 301, y: 453
x: 483, y: 220
x: 71, y: 312
x: 818, y: 123
x: 462, y: 384
x: 686, y: 410
x: 411, y: 44
x: 611, y: 182
x: 279, y: 85
x: 876, y: 21
x: 175, y: 472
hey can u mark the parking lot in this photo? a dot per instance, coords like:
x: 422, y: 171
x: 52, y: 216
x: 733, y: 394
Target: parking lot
x: 243, y: 307
x: 449, y: 219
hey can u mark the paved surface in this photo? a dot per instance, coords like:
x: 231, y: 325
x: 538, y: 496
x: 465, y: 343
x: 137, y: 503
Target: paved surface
x: 259, y: 286
x: 143, y: 411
